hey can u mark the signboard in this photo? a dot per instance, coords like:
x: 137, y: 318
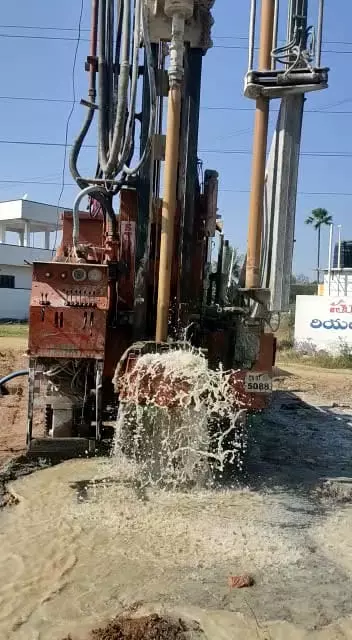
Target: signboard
x: 324, y: 322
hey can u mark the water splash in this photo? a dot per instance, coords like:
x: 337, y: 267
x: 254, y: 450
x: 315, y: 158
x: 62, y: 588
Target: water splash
x: 191, y: 440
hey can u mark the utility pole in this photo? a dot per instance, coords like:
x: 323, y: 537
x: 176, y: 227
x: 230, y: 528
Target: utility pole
x: 282, y: 179
x: 259, y: 152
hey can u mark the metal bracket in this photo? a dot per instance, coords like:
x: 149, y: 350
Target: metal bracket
x: 260, y: 295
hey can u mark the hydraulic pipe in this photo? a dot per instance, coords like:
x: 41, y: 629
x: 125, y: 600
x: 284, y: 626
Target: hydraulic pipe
x: 252, y: 34
x: 171, y: 167
x: 93, y: 50
x: 168, y: 212
x: 259, y: 152
x: 319, y: 34
x: 275, y: 32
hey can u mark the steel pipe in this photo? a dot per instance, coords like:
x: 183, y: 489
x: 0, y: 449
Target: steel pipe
x: 252, y: 20
x: 275, y: 32
x: 168, y: 211
x: 319, y: 34
x: 259, y: 153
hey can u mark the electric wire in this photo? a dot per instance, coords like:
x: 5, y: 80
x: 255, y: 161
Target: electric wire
x: 216, y: 46
x: 322, y: 110
x: 78, y: 39
x: 221, y: 190
x: 307, y: 154
x: 84, y: 29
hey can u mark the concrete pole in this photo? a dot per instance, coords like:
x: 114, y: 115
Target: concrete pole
x: 331, y: 235
x: 259, y: 152
x: 179, y: 11
x: 2, y: 232
x: 47, y: 239
x: 339, y: 248
x: 27, y: 234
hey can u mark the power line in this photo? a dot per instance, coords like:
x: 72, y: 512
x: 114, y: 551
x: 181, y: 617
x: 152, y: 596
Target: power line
x: 69, y: 116
x: 27, y: 37
x: 40, y: 27
x: 242, y: 48
x: 300, y: 193
x: 39, y: 182
x: 69, y: 39
x: 35, y: 99
x: 86, y: 29
x: 321, y: 111
x: 38, y: 143
x: 73, y: 184
x: 312, y: 154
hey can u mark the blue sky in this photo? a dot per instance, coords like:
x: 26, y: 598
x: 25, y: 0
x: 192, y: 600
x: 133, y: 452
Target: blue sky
x: 40, y: 68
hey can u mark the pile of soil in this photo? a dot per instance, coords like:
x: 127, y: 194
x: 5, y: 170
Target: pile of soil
x: 145, y: 628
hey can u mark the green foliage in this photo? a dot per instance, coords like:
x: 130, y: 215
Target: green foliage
x: 15, y: 330
x: 318, y: 218
x: 313, y: 357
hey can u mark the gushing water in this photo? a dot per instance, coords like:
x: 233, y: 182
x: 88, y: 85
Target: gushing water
x: 187, y: 427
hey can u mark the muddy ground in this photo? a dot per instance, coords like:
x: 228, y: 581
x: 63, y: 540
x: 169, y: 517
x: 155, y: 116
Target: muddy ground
x: 286, y: 521
x: 13, y: 406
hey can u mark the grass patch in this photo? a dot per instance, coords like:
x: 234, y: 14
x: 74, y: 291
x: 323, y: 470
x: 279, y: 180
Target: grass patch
x: 319, y: 359
x: 16, y: 330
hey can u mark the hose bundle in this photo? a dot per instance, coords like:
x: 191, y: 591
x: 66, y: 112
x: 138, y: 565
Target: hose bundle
x: 117, y: 34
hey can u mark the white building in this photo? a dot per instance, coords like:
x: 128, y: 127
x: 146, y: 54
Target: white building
x: 27, y: 234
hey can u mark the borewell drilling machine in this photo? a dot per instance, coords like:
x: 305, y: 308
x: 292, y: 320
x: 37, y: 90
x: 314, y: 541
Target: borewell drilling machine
x: 136, y: 267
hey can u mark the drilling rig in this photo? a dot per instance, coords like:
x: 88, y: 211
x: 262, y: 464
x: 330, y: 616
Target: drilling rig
x: 133, y: 273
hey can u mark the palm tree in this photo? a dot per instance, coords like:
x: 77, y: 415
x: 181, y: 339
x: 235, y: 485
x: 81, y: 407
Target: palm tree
x: 318, y: 218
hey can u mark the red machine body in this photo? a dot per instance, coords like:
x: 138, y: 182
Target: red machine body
x: 68, y: 311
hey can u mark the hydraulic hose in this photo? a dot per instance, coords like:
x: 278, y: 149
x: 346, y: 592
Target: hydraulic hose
x: 103, y: 126
x: 15, y: 374
x: 153, y: 96
x: 77, y: 145
x: 134, y: 83
x: 116, y: 104
x: 109, y: 161
x: 75, y: 215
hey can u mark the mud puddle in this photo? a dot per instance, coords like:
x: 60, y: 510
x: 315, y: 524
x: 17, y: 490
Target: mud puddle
x: 70, y: 561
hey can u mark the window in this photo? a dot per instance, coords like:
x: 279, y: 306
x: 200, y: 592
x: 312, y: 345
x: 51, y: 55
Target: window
x: 7, y: 282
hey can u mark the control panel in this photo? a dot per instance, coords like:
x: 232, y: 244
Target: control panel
x: 68, y: 310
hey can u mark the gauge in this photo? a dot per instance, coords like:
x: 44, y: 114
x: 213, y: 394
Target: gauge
x: 79, y: 275
x: 95, y: 275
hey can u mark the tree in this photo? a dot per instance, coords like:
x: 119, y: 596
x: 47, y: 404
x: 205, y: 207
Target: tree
x: 301, y: 278
x: 318, y: 218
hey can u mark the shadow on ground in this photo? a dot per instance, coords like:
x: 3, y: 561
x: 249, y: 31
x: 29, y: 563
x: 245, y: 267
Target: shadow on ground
x: 297, y: 446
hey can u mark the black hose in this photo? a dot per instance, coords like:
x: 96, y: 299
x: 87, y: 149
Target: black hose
x: 76, y: 148
x: 78, y: 142
x: 15, y: 374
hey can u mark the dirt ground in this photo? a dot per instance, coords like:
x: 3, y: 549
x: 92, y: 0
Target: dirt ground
x: 14, y: 406
x: 89, y: 548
